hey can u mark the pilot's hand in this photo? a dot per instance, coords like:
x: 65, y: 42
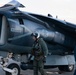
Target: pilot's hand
x: 44, y: 60
x: 28, y: 61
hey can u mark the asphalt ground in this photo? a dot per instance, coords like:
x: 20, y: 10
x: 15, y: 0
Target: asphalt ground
x: 53, y: 71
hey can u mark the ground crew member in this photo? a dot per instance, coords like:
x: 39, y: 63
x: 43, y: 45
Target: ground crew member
x: 39, y: 51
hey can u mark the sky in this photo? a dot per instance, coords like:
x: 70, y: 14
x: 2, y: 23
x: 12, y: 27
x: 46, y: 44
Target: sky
x: 64, y: 9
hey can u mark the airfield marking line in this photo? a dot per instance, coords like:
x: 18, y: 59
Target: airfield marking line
x: 57, y: 72
x: 52, y: 72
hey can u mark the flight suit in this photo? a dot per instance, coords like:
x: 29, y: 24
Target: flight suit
x: 39, y: 52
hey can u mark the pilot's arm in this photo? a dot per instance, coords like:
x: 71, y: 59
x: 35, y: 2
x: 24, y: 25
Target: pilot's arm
x: 31, y: 55
x: 44, y: 47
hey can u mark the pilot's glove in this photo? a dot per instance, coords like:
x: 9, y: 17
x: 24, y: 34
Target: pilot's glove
x: 44, y: 60
x: 29, y: 59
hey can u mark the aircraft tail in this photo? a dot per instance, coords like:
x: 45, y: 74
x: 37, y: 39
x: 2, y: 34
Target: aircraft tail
x: 12, y: 4
x: 15, y: 3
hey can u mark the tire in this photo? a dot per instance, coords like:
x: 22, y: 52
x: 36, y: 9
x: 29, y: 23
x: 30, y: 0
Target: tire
x: 15, y: 67
x: 66, y: 68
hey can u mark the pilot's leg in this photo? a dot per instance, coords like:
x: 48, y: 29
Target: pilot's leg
x: 41, y: 67
x: 35, y: 64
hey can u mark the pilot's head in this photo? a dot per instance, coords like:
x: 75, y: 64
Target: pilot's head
x: 35, y: 36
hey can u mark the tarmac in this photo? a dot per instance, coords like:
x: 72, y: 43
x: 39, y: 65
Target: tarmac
x: 52, y: 71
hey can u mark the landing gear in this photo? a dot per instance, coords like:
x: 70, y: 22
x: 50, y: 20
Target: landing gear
x: 9, y: 65
x: 66, y: 68
x: 14, y: 67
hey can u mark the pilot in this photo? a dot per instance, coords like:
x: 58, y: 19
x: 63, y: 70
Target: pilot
x: 39, y: 51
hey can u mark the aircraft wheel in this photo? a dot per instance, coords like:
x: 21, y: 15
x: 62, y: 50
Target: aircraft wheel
x: 14, y: 67
x: 67, y: 68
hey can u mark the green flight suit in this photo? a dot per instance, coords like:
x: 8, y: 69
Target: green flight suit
x: 38, y: 62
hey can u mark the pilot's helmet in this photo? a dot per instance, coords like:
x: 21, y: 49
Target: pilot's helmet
x: 36, y: 35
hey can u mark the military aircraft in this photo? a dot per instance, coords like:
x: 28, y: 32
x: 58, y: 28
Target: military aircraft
x: 16, y: 27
